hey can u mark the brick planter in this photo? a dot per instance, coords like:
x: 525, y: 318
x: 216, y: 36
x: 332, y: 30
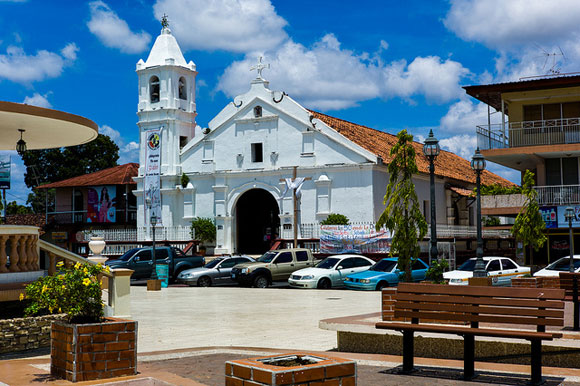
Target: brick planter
x: 321, y: 370
x: 83, y: 352
x: 528, y: 282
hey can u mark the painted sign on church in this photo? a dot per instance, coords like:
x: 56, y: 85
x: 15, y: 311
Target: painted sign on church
x: 337, y: 239
x: 153, y: 172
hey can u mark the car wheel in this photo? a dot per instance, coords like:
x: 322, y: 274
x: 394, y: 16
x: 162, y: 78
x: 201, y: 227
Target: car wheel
x: 324, y: 283
x: 261, y: 282
x: 204, y: 281
x: 381, y: 285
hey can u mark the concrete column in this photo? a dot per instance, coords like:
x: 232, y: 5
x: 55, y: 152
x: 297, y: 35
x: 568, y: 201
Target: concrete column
x: 23, y: 263
x: 30, y: 263
x: 14, y: 257
x: 3, y: 258
x: 120, y: 292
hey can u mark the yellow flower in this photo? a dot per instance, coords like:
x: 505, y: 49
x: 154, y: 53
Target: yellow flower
x: 107, y: 269
x: 63, y: 286
x: 59, y: 309
x: 99, y: 265
x: 50, y: 309
x: 59, y: 264
x: 86, y: 271
x: 44, y: 288
x: 86, y: 281
x: 77, y: 265
x: 21, y: 296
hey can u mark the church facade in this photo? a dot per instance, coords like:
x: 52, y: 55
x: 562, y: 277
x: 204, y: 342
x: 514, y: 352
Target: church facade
x: 243, y: 167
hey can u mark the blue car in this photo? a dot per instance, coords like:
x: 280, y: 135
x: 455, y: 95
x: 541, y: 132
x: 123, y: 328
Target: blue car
x: 384, y: 273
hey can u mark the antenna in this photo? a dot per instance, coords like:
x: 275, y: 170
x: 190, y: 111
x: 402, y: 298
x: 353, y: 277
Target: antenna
x: 552, y: 57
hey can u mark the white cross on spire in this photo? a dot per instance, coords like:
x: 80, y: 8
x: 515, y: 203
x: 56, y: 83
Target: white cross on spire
x: 260, y: 67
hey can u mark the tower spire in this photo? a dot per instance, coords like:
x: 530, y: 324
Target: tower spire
x: 164, y: 21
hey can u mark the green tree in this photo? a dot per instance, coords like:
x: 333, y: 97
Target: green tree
x: 529, y: 227
x: 402, y: 215
x: 51, y: 165
x: 204, y: 229
x: 14, y: 208
x: 335, y: 219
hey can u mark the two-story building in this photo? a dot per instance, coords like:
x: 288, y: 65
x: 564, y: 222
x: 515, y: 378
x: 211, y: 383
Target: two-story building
x: 540, y: 131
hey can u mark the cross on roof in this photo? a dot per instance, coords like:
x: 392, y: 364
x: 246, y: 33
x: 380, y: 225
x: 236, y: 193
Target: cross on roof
x: 164, y: 22
x: 260, y: 67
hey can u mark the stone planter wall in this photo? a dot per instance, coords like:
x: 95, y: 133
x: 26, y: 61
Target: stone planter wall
x: 22, y: 334
x: 536, y: 282
x: 257, y: 371
x: 83, y: 352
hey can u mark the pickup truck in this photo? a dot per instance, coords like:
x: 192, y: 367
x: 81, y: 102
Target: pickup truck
x: 273, y: 266
x: 139, y: 260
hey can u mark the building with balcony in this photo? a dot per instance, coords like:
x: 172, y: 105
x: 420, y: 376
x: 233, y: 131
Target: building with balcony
x: 102, y: 200
x: 539, y: 131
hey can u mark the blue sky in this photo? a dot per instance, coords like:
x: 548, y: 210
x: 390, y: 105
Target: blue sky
x: 385, y: 64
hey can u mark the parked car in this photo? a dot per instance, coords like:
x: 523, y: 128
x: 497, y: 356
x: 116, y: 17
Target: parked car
x: 500, y: 269
x: 139, y: 260
x: 330, y: 272
x: 560, y: 265
x: 217, y: 271
x: 273, y: 266
x: 383, y: 274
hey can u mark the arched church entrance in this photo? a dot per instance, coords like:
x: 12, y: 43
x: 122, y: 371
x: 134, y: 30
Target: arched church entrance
x: 257, y: 221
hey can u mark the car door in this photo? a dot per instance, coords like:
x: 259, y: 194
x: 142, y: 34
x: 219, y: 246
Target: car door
x: 342, y: 270
x: 283, y: 266
x: 510, y: 270
x: 302, y: 260
x: 225, y: 269
x: 142, y: 264
x: 418, y: 270
x: 494, y: 271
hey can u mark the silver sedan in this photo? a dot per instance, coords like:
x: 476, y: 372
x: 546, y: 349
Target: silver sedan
x: 215, y: 272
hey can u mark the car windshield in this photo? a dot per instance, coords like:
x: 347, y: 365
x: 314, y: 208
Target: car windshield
x: 213, y: 263
x: 384, y: 266
x: 328, y: 263
x: 563, y: 264
x: 127, y: 255
x: 267, y: 257
x: 469, y: 265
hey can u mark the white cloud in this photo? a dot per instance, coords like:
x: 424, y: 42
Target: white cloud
x: 329, y: 77
x: 114, y: 32
x: 465, y: 115
x: 19, y: 67
x: 70, y: 51
x: 463, y: 145
x: 110, y: 132
x: 231, y: 25
x: 128, y: 152
x: 38, y: 100
x: 501, y: 24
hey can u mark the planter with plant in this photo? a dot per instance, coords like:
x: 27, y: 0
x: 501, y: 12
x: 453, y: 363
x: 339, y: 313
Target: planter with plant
x: 184, y: 180
x: 435, y: 272
x: 203, y: 229
x: 86, y: 345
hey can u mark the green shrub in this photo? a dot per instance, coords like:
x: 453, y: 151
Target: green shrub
x: 497, y: 189
x: 75, y: 291
x: 203, y: 229
x: 435, y: 271
x: 490, y: 221
x: 184, y: 180
x: 335, y: 219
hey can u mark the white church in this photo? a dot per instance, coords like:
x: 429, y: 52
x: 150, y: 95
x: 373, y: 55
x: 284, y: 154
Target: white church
x: 239, y: 164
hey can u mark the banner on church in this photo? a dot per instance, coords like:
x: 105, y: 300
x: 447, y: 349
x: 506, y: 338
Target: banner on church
x: 337, y: 239
x: 153, y: 172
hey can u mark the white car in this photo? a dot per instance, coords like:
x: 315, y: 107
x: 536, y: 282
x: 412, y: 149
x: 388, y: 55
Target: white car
x: 500, y: 269
x: 560, y: 265
x: 330, y: 272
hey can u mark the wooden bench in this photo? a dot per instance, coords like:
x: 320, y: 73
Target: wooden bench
x: 569, y: 283
x: 459, y: 310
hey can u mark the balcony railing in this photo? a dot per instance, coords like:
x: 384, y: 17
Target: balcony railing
x: 173, y: 233
x: 122, y: 216
x: 529, y: 133
x: 558, y: 194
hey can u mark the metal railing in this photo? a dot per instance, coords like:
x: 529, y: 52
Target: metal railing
x: 558, y: 194
x: 80, y: 216
x: 175, y: 233
x: 529, y: 133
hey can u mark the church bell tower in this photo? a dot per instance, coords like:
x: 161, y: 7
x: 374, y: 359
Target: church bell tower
x: 166, y: 102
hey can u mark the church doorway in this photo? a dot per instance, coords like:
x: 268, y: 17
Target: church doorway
x: 257, y: 221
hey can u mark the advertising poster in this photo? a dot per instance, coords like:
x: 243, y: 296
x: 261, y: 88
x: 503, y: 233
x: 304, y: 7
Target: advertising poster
x: 153, y: 172
x: 4, y: 171
x: 101, y: 204
x: 562, y: 222
x: 550, y: 216
x: 337, y: 239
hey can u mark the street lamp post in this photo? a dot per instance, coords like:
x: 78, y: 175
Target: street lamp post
x: 431, y: 150
x: 478, y: 165
x: 570, y: 215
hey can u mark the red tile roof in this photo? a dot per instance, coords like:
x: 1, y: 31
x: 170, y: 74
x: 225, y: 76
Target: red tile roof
x: 380, y: 143
x: 117, y: 175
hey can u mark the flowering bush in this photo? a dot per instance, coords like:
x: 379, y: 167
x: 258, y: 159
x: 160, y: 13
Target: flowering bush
x: 75, y: 291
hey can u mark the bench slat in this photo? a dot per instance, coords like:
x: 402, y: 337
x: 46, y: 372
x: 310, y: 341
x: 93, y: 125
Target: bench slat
x: 532, y: 303
x: 510, y: 292
x: 468, y: 330
x: 470, y: 308
x: 445, y: 316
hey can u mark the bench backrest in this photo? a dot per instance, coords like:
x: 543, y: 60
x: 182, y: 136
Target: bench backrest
x: 567, y: 281
x: 472, y: 304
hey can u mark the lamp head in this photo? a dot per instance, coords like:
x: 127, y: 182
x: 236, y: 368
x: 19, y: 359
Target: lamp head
x: 431, y: 147
x: 478, y: 161
x: 153, y: 220
x: 21, y: 144
x: 569, y: 213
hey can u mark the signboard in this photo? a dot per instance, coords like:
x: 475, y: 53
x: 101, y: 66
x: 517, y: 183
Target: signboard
x: 337, y: 239
x: 101, y: 203
x: 550, y: 216
x: 153, y: 172
x: 562, y: 222
x: 59, y: 236
x: 4, y: 171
